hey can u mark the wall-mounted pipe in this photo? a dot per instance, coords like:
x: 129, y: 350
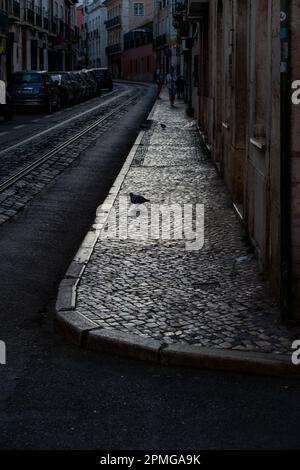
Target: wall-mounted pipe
x: 285, y: 163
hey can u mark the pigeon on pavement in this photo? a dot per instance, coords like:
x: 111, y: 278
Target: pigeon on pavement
x: 137, y: 199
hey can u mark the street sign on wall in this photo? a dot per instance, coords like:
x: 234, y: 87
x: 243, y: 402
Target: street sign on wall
x: 2, y: 92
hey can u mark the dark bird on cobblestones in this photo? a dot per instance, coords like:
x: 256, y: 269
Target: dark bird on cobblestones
x: 136, y: 199
x: 163, y: 126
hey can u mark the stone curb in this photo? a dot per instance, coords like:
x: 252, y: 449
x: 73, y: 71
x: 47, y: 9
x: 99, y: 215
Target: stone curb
x: 67, y: 292
x: 130, y: 345
x: 73, y: 326
x: 229, y: 360
x: 87, y: 334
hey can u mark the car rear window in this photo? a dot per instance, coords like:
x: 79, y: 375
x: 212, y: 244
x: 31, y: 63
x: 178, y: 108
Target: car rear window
x: 56, y: 77
x: 101, y: 73
x: 27, y: 78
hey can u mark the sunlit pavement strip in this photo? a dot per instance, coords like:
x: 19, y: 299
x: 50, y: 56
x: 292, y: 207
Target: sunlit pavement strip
x: 152, y: 299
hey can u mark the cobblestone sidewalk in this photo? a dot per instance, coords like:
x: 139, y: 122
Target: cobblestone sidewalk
x: 214, y: 297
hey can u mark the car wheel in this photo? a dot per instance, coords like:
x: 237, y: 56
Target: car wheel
x: 49, y: 107
x: 65, y: 103
x: 59, y: 104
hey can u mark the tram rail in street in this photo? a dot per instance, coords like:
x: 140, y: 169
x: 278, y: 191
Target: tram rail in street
x: 45, y: 157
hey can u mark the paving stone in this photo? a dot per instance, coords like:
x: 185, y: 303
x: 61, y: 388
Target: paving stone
x: 155, y: 287
x: 16, y: 159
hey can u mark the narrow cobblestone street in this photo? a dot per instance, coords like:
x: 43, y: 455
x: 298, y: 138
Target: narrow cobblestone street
x: 55, y: 395
x: 215, y: 297
x: 149, y: 232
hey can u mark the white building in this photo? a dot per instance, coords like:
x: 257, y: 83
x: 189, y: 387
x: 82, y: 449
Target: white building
x: 95, y: 15
x: 117, y: 25
x: 41, y: 35
x: 164, y: 36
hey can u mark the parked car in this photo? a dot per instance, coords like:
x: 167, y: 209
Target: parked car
x: 104, y: 76
x: 6, y: 103
x: 83, y: 83
x: 66, y: 91
x: 76, y: 85
x: 92, y: 85
x: 35, y: 89
x: 93, y: 79
x: 97, y: 80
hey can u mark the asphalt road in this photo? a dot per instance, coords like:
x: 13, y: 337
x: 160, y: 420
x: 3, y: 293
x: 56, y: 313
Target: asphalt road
x: 56, y: 396
x: 27, y: 123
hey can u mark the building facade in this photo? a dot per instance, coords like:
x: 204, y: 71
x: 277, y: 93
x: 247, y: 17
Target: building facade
x: 138, y: 55
x: 140, y: 13
x: 39, y: 35
x: 293, y: 155
x: 164, y: 36
x: 95, y: 36
x: 64, y: 36
x: 4, y: 37
x: 239, y: 57
x: 117, y: 25
x: 81, y: 46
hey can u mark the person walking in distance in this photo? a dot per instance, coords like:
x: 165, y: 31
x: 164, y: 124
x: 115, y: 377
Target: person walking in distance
x: 171, y: 80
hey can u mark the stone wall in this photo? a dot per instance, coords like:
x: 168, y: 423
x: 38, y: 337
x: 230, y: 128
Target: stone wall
x: 295, y: 158
x: 239, y: 114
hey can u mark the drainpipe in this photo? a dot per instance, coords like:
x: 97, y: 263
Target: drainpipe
x: 190, y: 85
x: 285, y: 164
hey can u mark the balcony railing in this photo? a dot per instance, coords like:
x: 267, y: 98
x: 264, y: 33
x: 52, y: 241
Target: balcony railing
x: 29, y: 15
x: 135, y: 39
x: 76, y: 33
x: 14, y: 9
x: 113, y: 49
x: 197, y: 8
x: 68, y: 32
x: 179, y: 8
x: 61, y: 28
x: 39, y: 20
x: 4, y: 25
x: 46, y: 23
x: 54, y: 27
x: 116, y: 21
